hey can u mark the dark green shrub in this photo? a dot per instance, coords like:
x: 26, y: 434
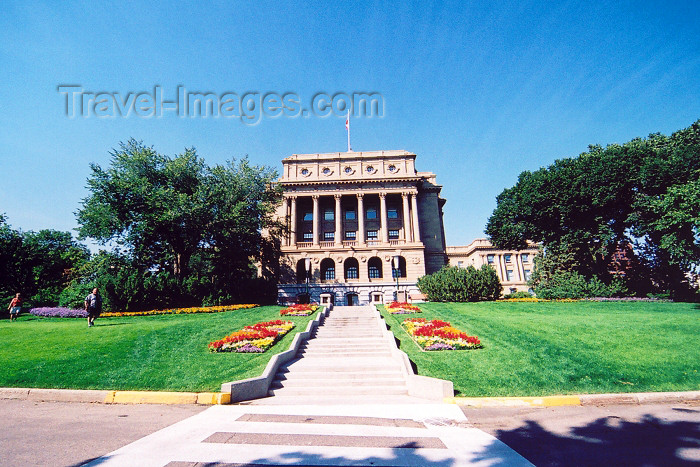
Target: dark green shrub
x: 454, y: 284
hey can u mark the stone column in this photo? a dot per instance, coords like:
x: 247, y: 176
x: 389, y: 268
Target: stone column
x: 285, y: 209
x: 316, y: 220
x: 521, y: 269
x: 338, y: 222
x: 406, y: 219
x: 416, y: 227
x: 293, y: 223
x: 360, y: 220
x: 383, y: 219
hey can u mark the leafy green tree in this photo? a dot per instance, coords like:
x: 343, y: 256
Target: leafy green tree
x: 188, y: 230
x: 37, y: 264
x: 641, y: 193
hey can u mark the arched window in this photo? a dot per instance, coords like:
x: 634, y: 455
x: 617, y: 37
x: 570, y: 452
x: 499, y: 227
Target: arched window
x: 327, y: 270
x: 301, y: 271
x: 402, y: 267
x: 374, y: 268
x: 352, y: 269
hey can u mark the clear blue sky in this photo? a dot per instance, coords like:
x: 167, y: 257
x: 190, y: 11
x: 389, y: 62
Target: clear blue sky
x: 479, y: 91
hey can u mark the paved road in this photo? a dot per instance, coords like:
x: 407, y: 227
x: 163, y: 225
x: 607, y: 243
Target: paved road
x: 67, y: 434
x: 71, y: 433
x: 631, y: 435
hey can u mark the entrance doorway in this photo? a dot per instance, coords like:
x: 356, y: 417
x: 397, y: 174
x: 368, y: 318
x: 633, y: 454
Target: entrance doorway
x: 352, y: 299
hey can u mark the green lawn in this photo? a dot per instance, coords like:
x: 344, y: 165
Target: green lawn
x: 165, y: 352
x: 545, y: 348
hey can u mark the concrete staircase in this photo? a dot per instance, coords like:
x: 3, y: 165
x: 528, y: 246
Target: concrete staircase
x: 348, y: 356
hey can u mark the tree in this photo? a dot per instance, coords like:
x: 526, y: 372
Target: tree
x: 37, y: 264
x: 168, y: 215
x: 641, y: 193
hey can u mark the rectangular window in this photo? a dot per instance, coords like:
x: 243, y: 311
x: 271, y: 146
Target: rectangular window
x: 351, y: 273
x: 507, y: 258
x: 350, y: 215
x: 374, y: 272
x: 329, y: 273
x: 392, y: 213
x: 371, y: 235
x: 460, y: 264
x: 393, y: 234
x: 490, y: 258
x: 308, y: 236
x: 371, y: 213
x: 377, y: 298
x: 509, y: 275
x: 308, y: 216
x: 527, y: 274
x: 525, y: 257
x: 329, y: 236
x: 350, y: 235
x: 329, y: 215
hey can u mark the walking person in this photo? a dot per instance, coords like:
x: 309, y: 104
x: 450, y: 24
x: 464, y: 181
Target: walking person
x: 15, y: 307
x: 93, y: 306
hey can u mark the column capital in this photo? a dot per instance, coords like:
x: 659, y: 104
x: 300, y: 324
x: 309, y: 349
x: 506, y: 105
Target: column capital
x: 382, y: 195
x: 337, y: 196
x: 315, y: 196
x: 360, y: 195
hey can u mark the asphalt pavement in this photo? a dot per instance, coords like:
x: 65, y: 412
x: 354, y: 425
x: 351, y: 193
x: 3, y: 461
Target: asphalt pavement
x: 70, y: 434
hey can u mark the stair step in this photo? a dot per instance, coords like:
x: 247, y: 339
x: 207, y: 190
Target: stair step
x: 323, y: 390
x: 337, y: 383
x: 337, y: 376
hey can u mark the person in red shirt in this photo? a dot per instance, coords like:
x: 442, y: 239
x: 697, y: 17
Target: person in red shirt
x: 15, y: 307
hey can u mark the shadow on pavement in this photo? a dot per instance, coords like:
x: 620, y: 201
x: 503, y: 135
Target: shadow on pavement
x: 651, y: 441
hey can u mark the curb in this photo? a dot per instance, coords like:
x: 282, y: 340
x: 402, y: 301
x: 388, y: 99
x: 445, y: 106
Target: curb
x: 115, y: 397
x: 576, y: 400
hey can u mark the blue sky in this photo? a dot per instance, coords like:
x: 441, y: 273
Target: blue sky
x: 480, y: 91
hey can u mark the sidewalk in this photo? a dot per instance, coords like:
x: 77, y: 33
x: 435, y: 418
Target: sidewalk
x: 381, y: 435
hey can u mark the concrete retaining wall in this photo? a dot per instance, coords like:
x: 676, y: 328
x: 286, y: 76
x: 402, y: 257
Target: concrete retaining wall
x: 255, y: 388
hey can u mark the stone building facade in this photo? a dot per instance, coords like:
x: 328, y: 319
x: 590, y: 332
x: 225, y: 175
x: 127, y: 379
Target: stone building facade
x: 354, y: 221
x: 357, y: 220
x: 513, y: 267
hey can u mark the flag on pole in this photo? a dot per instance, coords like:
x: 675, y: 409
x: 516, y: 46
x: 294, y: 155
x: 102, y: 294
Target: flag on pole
x: 347, y: 127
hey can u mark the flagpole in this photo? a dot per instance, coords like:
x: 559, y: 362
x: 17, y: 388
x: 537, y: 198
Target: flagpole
x: 347, y: 127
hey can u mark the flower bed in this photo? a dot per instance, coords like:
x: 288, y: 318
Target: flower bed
x: 253, y: 339
x: 177, y: 311
x: 396, y: 308
x: 439, y: 335
x: 58, y: 312
x: 299, y: 310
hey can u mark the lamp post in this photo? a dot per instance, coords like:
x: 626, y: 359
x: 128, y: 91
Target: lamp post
x: 396, y: 266
x: 307, y: 267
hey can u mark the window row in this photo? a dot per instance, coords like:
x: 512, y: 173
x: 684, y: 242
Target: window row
x: 351, y: 214
x: 508, y: 258
x: 350, y: 235
x: 351, y: 269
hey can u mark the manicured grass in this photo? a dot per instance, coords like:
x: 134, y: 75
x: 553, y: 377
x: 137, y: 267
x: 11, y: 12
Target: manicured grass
x: 166, y: 352
x: 534, y: 349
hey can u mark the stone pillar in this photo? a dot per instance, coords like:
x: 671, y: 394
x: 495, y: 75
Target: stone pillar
x: 285, y: 210
x: 338, y: 222
x: 416, y: 227
x: 316, y: 220
x: 360, y: 220
x: 406, y: 219
x: 520, y: 268
x: 383, y: 219
x: 293, y: 223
